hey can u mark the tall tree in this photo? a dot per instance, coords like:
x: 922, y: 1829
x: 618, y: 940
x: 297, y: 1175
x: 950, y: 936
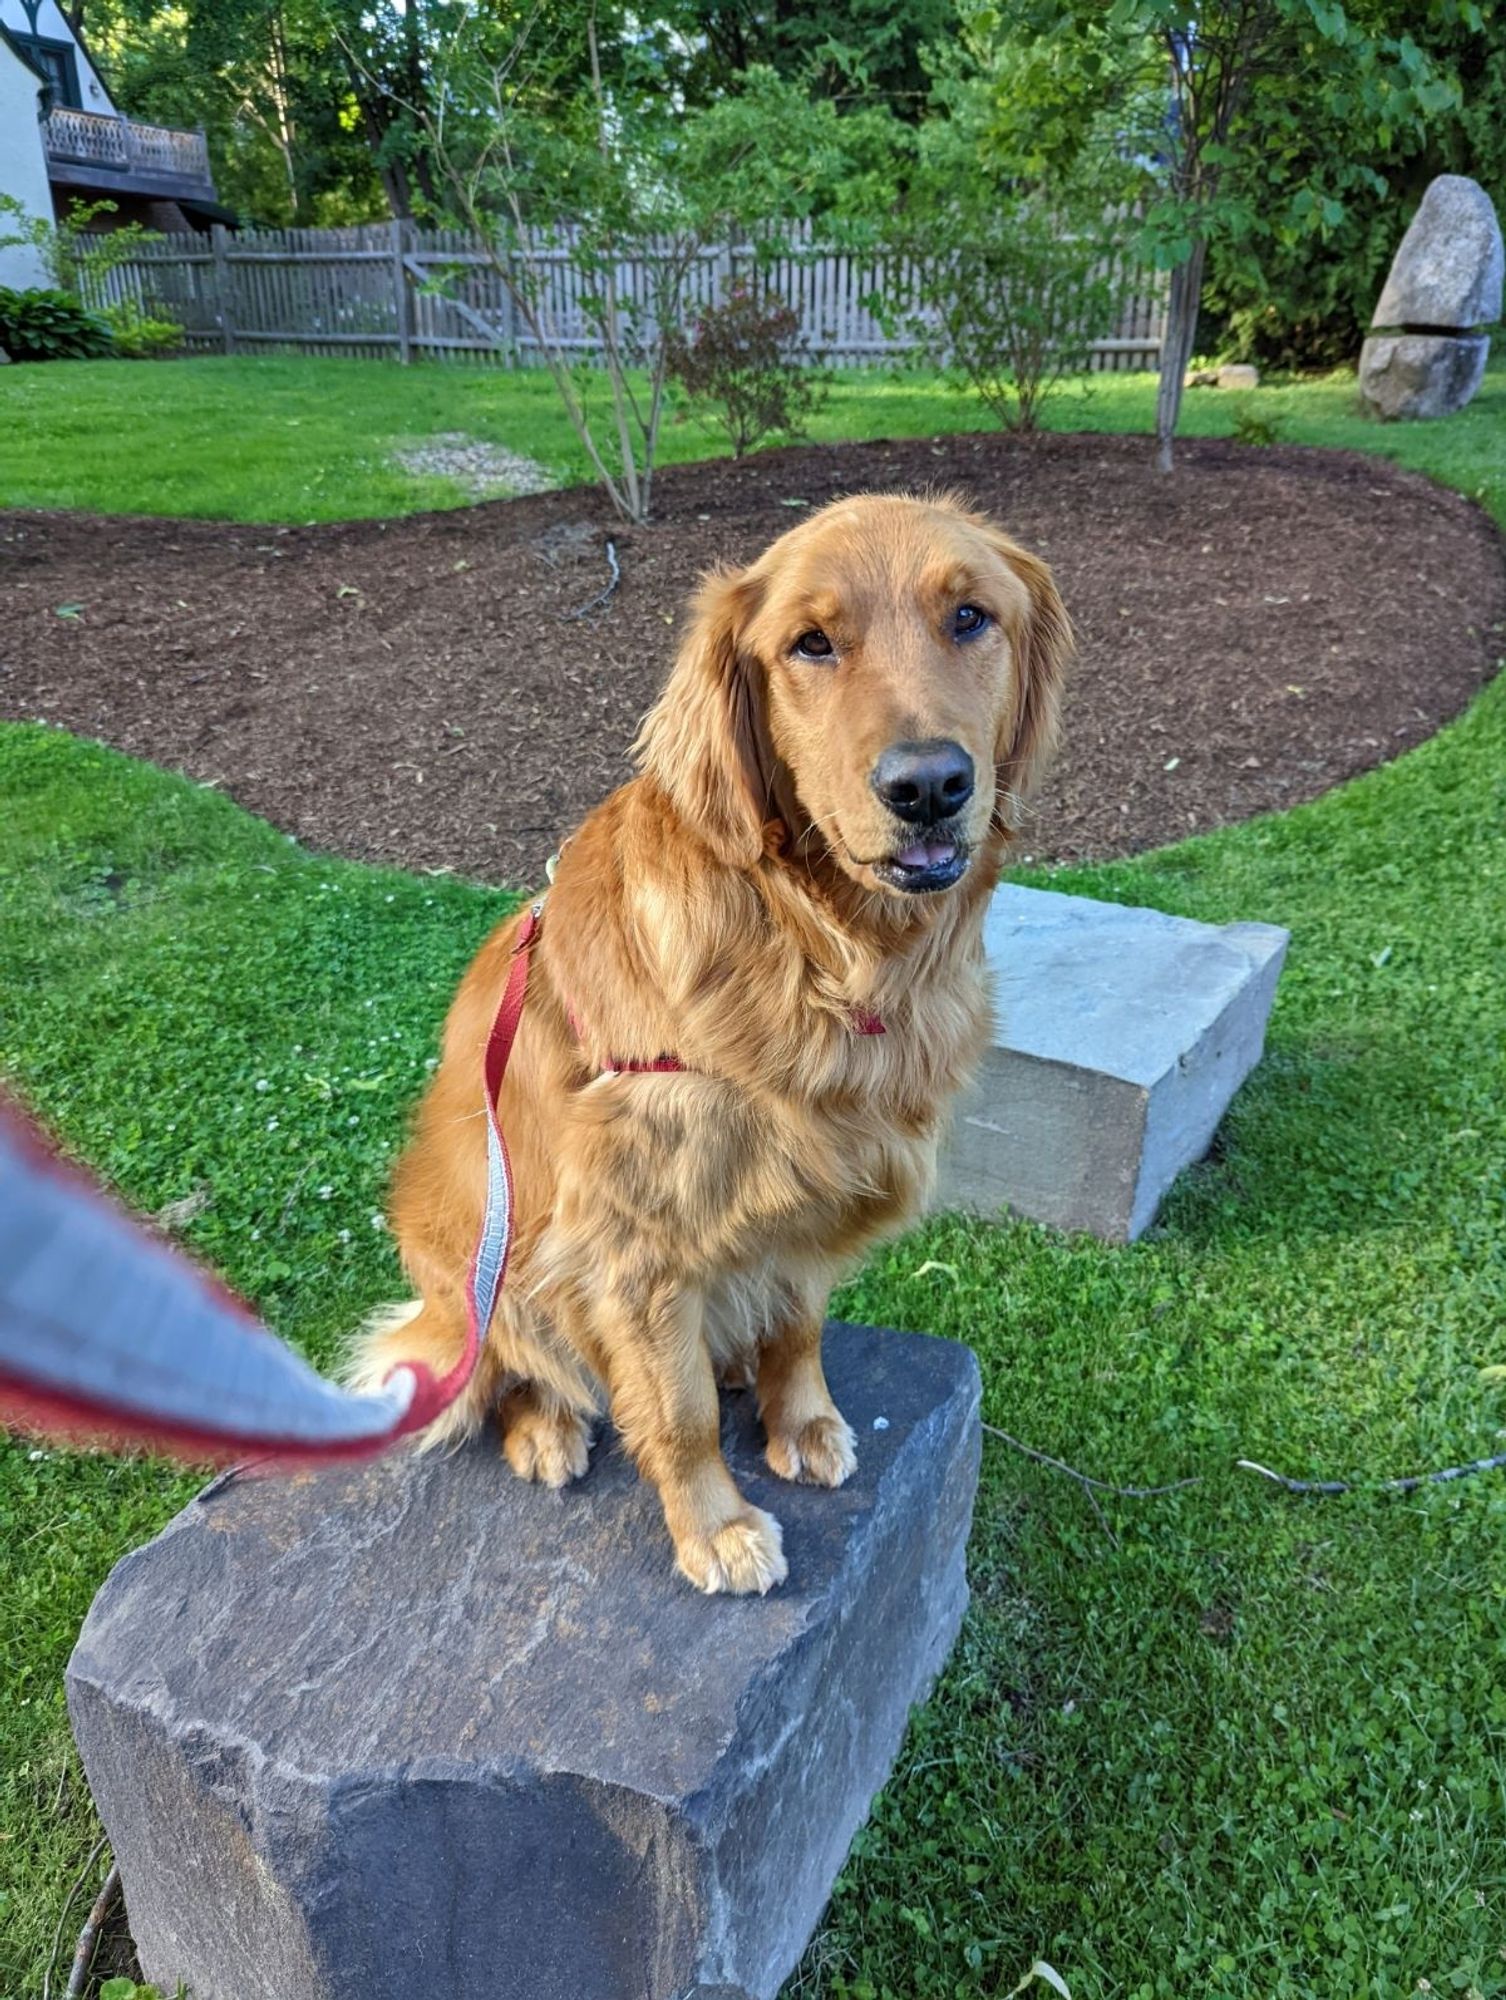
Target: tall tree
x: 1187, y: 71
x: 266, y: 81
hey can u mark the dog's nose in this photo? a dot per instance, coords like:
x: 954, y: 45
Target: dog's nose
x: 924, y: 782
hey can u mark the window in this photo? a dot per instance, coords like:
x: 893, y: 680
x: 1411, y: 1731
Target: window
x: 57, y: 66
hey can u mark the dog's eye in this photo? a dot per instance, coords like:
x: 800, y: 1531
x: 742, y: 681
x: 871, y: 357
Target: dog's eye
x: 968, y: 620
x: 813, y: 645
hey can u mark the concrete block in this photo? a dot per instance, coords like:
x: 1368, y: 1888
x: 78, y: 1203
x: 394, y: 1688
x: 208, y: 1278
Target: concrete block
x: 1120, y: 1037
x: 415, y: 1727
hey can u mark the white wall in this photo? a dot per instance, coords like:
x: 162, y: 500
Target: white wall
x: 23, y: 166
x: 54, y: 28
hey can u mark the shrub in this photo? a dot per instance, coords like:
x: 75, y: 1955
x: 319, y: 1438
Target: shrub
x: 1013, y: 302
x: 1253, y: 426
x: 743, y: 361
x: 138, y: 334
x: 78, y: 256
x: 50, y: 326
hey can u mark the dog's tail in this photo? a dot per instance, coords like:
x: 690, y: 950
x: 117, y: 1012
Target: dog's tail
x: 408, y: 1331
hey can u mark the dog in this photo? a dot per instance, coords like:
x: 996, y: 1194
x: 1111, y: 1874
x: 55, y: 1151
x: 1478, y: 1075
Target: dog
x: 757, y: 986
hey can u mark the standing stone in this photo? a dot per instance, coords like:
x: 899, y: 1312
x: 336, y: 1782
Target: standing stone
x: 1120, y: 1035
x: 1448, y: 272
x: 417, y: 1728
x: 1425, y: 357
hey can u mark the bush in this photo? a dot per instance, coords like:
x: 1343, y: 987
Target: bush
x: 1016, y: 298
x: 138, y: 334
x: 1256, y: 426
x: 50, y: 326
x: 744, y: 362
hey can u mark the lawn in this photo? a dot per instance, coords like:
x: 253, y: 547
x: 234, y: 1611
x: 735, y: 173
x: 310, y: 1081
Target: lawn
x: 1250, y: 1747
x: 290, y: 438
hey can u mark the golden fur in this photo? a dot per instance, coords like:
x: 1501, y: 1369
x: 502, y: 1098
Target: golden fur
x: 672, y: 1229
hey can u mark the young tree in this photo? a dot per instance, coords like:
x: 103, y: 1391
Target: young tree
x: 1182, y: 73
x: 603, y: 157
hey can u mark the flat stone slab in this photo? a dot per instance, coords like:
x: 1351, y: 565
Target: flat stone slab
x: 415, y: 1727
x: 1120, y: 1037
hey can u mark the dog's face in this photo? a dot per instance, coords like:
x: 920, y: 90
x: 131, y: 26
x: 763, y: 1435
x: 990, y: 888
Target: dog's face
x: 886, y: 675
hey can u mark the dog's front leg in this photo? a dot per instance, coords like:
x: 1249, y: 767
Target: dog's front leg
x: 664, y: 1402
x: 808, y: 1437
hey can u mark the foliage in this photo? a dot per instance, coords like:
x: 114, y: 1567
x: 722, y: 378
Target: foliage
x: 871, y: 55
x: 78, y: 257
x: 1178, y: 78
x: 1290, y: 297
x: 1015, y: 269
x: 1256, y: 424
x: 317, y: 111
x: 140, y: 335
x: 617, y: 167
x: 45, y: 325
x: 1016, y: 291
x: 743, y: 361
x: 292, y: 96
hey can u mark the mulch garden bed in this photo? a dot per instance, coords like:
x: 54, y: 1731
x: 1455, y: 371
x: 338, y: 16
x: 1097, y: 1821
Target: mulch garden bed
x: 1252, y: 630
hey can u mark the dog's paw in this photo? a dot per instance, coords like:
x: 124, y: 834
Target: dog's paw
x: 820, y: 1453
x: 550, y: 1447
x: 743, y: 1556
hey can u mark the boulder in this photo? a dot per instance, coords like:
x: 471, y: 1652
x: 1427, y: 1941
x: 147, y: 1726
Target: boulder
x: 1120, y: 1036
x: 415, y: 1727
x: 1421, y: 374
x: 1448, y: 272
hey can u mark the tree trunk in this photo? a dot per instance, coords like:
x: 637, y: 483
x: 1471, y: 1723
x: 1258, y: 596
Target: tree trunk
x: 1176, y: 349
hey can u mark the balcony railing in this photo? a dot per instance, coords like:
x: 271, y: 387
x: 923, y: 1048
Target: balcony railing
x: 89, y: 138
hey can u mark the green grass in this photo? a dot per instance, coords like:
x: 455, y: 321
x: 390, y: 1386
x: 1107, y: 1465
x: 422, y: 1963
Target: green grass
x: 290, y: 438
x: 1252, y: 1748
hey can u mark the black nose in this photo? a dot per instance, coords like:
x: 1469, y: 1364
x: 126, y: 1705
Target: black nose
x: 924, y: 782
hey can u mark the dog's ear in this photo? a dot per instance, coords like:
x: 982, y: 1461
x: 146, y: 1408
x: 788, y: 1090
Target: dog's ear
x: 704, y: 740
x: 1042, y: 649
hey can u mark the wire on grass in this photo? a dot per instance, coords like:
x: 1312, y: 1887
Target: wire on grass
x: 585, y: 610
x: 57, y: 1936
x: 1408, y: 1485
x: 88, y: 1937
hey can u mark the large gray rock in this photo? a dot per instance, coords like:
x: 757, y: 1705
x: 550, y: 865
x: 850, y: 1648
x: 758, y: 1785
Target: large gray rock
x: 418, y: 1728
x: 1421, y: 374
x: 1448, y: 271
x: 1120, y: 1037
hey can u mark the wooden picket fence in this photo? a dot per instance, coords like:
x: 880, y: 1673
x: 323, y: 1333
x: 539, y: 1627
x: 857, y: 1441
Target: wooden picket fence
x: 387, y: 289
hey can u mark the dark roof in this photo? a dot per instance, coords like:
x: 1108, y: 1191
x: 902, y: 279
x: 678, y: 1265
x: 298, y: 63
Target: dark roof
x: 214, y: 211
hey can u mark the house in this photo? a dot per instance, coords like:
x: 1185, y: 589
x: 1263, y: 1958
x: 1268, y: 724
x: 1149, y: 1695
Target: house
x: 62, y: 140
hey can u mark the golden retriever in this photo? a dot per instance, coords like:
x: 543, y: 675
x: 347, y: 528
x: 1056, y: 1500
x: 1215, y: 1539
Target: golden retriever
x: 785, y: 905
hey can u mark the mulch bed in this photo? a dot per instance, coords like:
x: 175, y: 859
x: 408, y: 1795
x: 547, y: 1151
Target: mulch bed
x: 1253, y: 630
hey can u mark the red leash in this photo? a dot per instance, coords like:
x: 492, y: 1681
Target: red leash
x: 434, y: 1394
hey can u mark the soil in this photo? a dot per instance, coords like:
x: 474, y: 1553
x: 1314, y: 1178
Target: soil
x: 1252, y: 630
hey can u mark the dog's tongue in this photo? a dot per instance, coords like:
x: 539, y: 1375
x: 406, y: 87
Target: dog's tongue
x: 926, y: 853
